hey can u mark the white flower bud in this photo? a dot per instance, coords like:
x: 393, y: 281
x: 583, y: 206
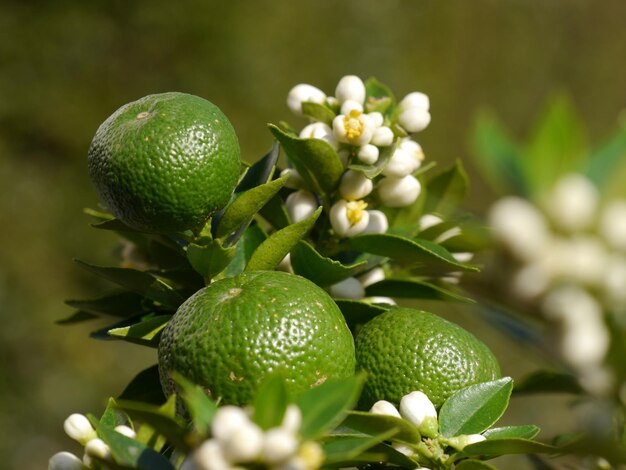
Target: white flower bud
x: 572, y: 203
x: 585, y: 259
x: 520, y: 227
x: 615, y: 279
x: 351, y: 105
x: 285, y: 264
x: 378, y: 222
x: 279, y: 444
x: 377, y: 118
x: 332, y: 102
x: 399, y: 192
x: 372, y: 276
x: 412, y: 148
x: 404, y: 449
x: 350, y: 87
x: 400, y: 164
x: 300, y: 205
x: 354, y: 128
x: 383, y: 137
x: 368, y: 154
x: 448, y: 234
x: 459, y: 442
x: 65, y: 461
x: 228, y: 419
x: 415, y: 100
x: 355, y: 185
x: 379, y: 299
x: 321, y: 131
x: 429, y: 220
x: 349, y: 288
x: 310, y: 456
x: 78, y: 427
x: 414, y: 120
x: 416, y: 407
x: 349, y: 218
x: 244, y: 444
x: 294, y: 181
x: 97, y: 448
x: 126, y: 431
x: 292, y: 420
x: 302, y: 93
x: 209, y: 456
x: 383, y: 407
x: 463, y: 257
x: 613, y: 225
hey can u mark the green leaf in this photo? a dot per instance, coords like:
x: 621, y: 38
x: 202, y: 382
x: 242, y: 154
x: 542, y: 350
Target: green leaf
x: 116, y: 304
x: 112, y: 416
x: 324, y: 407
x: 406, y: 251
x: 129, y: 452
x: 200, y: 407
x: 145, y: 387
x: 245, y: 248
x: 474, y: 465
x: 558, y: 146
x: 275, y: 212
x: 76, y: 317
x: 527, y: 431
x: 277, y: 245
x: 379, y: 97
x: 137, y: 281
x: 548, y: 381
x: 475, y: 408
x: 270, y: 402
x: 357, y: 312
x: 345, y: 449
x: 245, y: 205
x: 497, y: 156
x: 446, y: 191
x: 145, y: 333
x: 373, y: 424
x: 372, y: 171
x: 413, y: 289
x: 209, y: 260
x: 318, y: 112
x: 315, y: 160
x: 323, y: 271
x: 495, y: 447
x: 261, y: 171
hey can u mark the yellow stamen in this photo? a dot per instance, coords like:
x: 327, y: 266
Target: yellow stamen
x: 353, y: 125
x: 354, y: 211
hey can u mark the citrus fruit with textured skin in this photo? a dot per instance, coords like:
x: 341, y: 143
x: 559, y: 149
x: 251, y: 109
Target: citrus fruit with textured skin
x: 404, y: 350
x: 165, y: 162
x: 230, y: 335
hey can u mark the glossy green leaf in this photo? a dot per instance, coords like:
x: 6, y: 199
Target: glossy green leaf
x: 137, y: 281
x: 112, y: 416
x: 358, y: 312
x: 527, y: 431
x: 496, y: 155
x: 557, y: 146
x: 325, y: 406
x: 146, y: 332
x: 209, y: 260
x: 378, y: 97
x: 245, y: 205
x: 405, y: 251
x: 373, y: 424
x: 271, y: 402
x: 414, y: 289
x: 275, y: 212
x: 345, y: 449
x: 472, y: 464
x: 318, y: 112
x: 145, y: 387
x: 446, y: 191
x: 277, y: 245
x: 372, y: 171
x: 474, y: 409
x: 200, y: 407
x: 316, y: 161
x: 323, y: 271
x: 548, y: 381
x: 261, y: 171
x: 251, y: 239
x: 129, y: 452
x: 115, y: 304
x: 495, y: 447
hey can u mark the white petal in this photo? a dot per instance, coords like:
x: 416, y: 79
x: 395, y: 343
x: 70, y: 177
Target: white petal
x: 416, y: 406
x: 383, y: 137
x: 278, y: 445
x: 227, y: 420
x: 416, y: 100
x: 399, y: 192
x: 350, y: 87
x: 377, y: 118
x: 383, y: 407
x: 78, y: 427
x: 350, y: 105
x: 573, y: 202
x: 244, y: 444
x: 378, y: 222
x: 400, y: 164
x: 414, y: 120
x: 613, y: 224
x: 302, y: 93
x: 355, y: 185
x: 368, y: 154
x: 65, y: 461
x: 300, y: 205
x: 372, y: 276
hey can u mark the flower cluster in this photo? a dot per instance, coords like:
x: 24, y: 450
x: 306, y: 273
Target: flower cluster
x: 417, y: 409
x: 571, y: 256
x: 237, y: 442
x: 78, y: 427
x: 363, y: 135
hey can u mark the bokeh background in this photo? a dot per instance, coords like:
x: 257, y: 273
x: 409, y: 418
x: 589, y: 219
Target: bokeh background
x: 67, y: 65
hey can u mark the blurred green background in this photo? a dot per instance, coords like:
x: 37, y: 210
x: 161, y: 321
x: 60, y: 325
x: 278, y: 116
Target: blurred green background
x: 66, y: 65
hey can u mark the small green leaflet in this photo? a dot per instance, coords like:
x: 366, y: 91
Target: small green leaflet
x: 323, y: 271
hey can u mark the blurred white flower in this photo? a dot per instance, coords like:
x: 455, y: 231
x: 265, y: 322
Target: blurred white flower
x: 372, y: 276
x: 97, y: 448
x: 295, y: 180
x: 463, y: 257
x: 383, y: 407
x: 300, y: 205
x: 78, y: 427
x: 227, y: 420
x: 244, y: 444
x: 302, y: 93
x: 292, y: 420
x: 400, y: 164
x: 351, y: 105
x: 278, y: 445
x: 399, y: 192
x: 613, y: 224
x: 572, y: 203
x: 355, y: 185
x: 584, y: 259
x: 615, y: 281
x: 530, y: 281
x: 354, y: 128
x: 378, y: 222
x: 285, y: 264
x: 350, y: 87
x: 319, y: 130
x: 65, y: 461
x: 414, y: 149
x: 368, y: 154
x: 383, y: 137
x: 520, y: 226
x: 429, y: 220
x: 448, y: 234
x: 379, y: 299
x: 209, y: 456
x: 349, y: 288
x: 126, y: 431
x: 376, y: 118
x: 414, y: 112
x: 349, y: 218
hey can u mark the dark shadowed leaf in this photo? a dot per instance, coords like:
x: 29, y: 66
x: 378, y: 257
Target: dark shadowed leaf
x: 446, y: 191
x: 414, y: 289
x: 129, y: 452
x: 145, y: 387
x: 200, y: 407
x: 116, y: 304
x: 247, y: 245
x: 472, y: 464
x: 357, y: 312
x: 373, y: 424
x: 548, y: 381
x: 209, y: 260
x: 323, y: 271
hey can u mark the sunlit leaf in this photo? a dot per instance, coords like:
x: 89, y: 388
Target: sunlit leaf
x: 145, y: 387
x: 446, y: 191
x: 323, y: 271
x: 146, y: 332
x: 209, y: 260
x: 318, y: 112
x: 271, y: 402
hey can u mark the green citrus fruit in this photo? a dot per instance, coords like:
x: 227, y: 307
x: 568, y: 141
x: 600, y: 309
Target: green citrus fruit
x: 165, y: 163
x: 231, y: 334
x: 405, y: 350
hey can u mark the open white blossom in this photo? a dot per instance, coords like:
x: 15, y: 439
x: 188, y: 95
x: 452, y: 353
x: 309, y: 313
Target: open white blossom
x: 354, y: 128
x: 349, y: 218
